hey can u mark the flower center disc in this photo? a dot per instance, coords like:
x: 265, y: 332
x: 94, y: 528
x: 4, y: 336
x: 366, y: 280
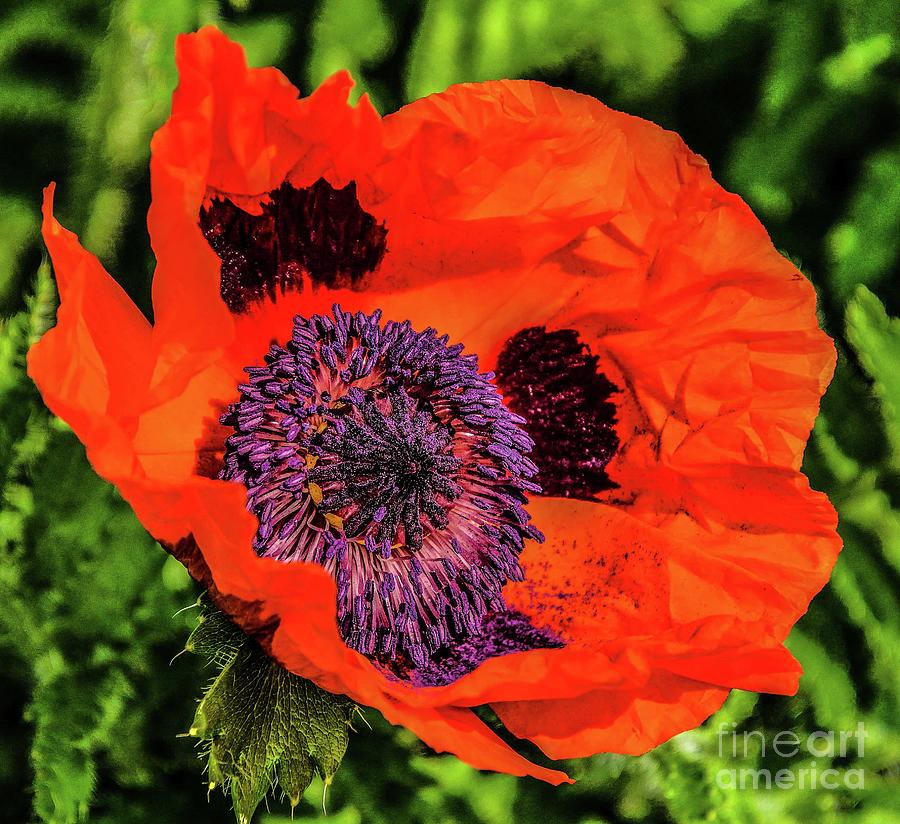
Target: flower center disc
x: 385, y: 456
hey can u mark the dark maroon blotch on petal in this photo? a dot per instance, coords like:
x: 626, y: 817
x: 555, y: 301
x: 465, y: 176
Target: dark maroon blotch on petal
x: 317, y: 232
x: 552, y: 380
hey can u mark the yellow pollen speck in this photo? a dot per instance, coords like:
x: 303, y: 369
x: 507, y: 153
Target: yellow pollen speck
x: 315, y: 492
x: 322, y: 427
x: 335, y: 520
x: 311, y: 460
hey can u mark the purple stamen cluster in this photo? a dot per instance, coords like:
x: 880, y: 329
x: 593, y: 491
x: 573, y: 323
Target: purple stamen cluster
x: 384, y: 455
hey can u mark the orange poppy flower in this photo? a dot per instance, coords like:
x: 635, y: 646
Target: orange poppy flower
x: 597, y: 526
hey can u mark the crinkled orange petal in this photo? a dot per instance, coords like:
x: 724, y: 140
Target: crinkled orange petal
x: 97, y: 368
x: 602, y: 721
x: 237, y: 132
x: 767, y: 568
x: 461, y: 732
x: 605, y: 575
x: 493, y: 177
x: 483, y: 180
x: 89, y: 366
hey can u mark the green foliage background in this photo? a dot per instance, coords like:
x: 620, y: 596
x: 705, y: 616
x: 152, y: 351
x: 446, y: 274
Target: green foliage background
x: 795, y: 105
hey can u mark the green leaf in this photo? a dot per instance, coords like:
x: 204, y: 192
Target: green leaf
x: 348, y: 35
x: 863, y: 245
x: 634, y: 45
x: 827, y: 683
x: 265, y: 725
x: 876, y: 339
x: 74, y: 708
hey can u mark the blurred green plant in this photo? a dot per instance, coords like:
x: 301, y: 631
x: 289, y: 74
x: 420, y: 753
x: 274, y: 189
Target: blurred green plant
x: 795, y: 106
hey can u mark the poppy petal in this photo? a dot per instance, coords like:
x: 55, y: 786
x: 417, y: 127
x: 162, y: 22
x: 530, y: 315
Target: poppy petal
x: 239, y: 132
x: 495, y: 176
x: 483, y: 179
x: 602, y: 721
x: 91, y: 365
x: 459, y: 731
x: 136, y: 406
